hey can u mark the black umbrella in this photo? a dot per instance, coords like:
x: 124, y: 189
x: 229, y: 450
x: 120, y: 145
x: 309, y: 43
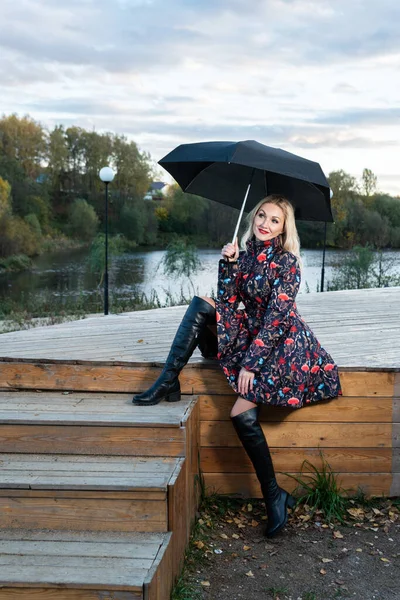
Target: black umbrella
x: 240, y: 174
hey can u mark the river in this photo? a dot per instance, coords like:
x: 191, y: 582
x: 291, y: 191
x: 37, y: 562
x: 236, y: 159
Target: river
x: 65, y: 274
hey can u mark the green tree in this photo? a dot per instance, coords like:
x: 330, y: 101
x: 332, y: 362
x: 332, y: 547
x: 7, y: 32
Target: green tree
x: 23, y: 140
x: 5, y: 201
x: 57, y: 157
x: 83, y: 221
x: 133, y: 171
x: 369, y: 182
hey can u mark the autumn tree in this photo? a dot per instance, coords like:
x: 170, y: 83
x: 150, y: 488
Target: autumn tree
x: 5, y: 192
x: 369, y: 182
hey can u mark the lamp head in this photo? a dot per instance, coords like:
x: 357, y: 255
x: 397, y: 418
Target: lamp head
x: 330, y: 193
x: 106, y: 174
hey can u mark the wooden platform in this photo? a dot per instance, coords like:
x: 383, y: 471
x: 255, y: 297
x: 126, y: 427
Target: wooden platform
x: 360, y: 328
x: 117, y: 485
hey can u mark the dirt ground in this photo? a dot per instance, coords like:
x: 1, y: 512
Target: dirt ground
x: 230, y: 559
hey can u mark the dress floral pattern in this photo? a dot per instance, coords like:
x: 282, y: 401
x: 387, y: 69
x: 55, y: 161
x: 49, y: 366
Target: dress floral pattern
x: 268, y: 336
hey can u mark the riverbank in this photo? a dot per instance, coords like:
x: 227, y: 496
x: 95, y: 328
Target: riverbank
x: 22, y: 262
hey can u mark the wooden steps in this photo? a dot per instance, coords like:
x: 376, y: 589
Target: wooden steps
x: 78, y: 423
x: 97, y: 496
x: 85, y: 492
x: 76, y: 565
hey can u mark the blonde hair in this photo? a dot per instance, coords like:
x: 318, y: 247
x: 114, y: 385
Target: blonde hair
x: 290, y: 237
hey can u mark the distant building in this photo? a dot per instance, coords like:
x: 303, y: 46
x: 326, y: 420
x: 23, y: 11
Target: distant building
x: 156, y: 191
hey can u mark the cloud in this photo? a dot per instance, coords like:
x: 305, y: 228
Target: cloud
x: 127, y: 36
x: 360, y: 116
x: 344, y: 88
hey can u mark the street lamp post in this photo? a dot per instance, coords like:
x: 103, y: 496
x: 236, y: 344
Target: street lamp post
x: 106, y: 174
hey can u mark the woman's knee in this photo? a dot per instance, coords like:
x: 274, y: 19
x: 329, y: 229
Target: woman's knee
x: 240, y: 406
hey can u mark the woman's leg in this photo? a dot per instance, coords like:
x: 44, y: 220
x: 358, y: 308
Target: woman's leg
x: 208, y: 340
x: 199, y: 313
x: 244, y: 416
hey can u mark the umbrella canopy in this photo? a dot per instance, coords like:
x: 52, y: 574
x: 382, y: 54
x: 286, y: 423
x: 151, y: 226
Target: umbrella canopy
x: 222, y: 171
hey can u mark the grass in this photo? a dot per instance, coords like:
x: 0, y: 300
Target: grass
x: 319, y: 489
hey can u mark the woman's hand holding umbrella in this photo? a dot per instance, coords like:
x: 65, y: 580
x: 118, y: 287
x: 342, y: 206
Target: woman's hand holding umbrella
x: 230, y: 252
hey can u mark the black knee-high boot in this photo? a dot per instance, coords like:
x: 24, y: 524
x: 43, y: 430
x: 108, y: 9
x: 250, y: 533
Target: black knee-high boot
x: 208, y: 343
x: 198, y: 315
x: 277, y: 500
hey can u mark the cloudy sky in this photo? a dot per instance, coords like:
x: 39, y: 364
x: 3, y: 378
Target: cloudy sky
x: 320, y: 78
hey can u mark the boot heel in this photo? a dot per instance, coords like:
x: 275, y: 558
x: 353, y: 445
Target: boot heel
x: 291, y: 502
x: 175, y: 397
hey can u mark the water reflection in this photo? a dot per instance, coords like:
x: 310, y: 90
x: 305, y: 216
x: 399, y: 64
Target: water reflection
x: 67, y: 274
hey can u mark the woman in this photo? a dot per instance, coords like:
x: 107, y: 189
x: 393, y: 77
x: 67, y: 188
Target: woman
x: 267, y: 352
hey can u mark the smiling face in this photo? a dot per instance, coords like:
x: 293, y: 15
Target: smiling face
x: 268, y: 222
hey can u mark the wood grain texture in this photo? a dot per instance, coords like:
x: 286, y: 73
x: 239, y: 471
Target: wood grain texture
x: 303, y: 435
x: 86, y: 472
x: 75, y: 564
x: 191, y: 423
x: 113, y: 441
x: 27, y: 406
x: 343, y: 460
x: 247, y: 485
x: 37, y: 593
x: 81, y: 514
x: 342, y: 409
x: 194, y: 379
x: 178, y: 515
x: 159, y: 580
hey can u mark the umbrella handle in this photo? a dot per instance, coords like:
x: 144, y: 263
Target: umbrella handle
x: 242, y: 209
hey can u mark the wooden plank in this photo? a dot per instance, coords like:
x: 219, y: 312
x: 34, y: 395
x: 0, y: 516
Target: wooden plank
x: 139, y: 465
x: 139, y: 551
x: 41, y: 480
x: 95, y: 473
x: 342, y: 409
x: 303, y: 435
x: 192, y: 431
x: 85, y: 494
x: 114, y: 408
x: 113, y: 441
x: 159, y: 580
x: 109, y: 541
x: 369, y: 384
x: 113, y: 378
x: 83, y: 577
x: 195, y: 379
x: 178, y: 515
x: 247, y: 485
x: 82, y: 514
x: 29, y: 593
x: 350, y: 460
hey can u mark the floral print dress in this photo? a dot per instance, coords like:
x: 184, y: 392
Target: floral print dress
x: 268, y: 336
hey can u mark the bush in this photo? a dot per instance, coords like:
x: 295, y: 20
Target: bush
x: 18, y: 262
x: 82, y: 220
x: 34, y: 224
x: 18, y: 237
x: 363, y: 268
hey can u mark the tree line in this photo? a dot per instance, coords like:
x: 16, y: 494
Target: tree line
x: 50, y: 191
